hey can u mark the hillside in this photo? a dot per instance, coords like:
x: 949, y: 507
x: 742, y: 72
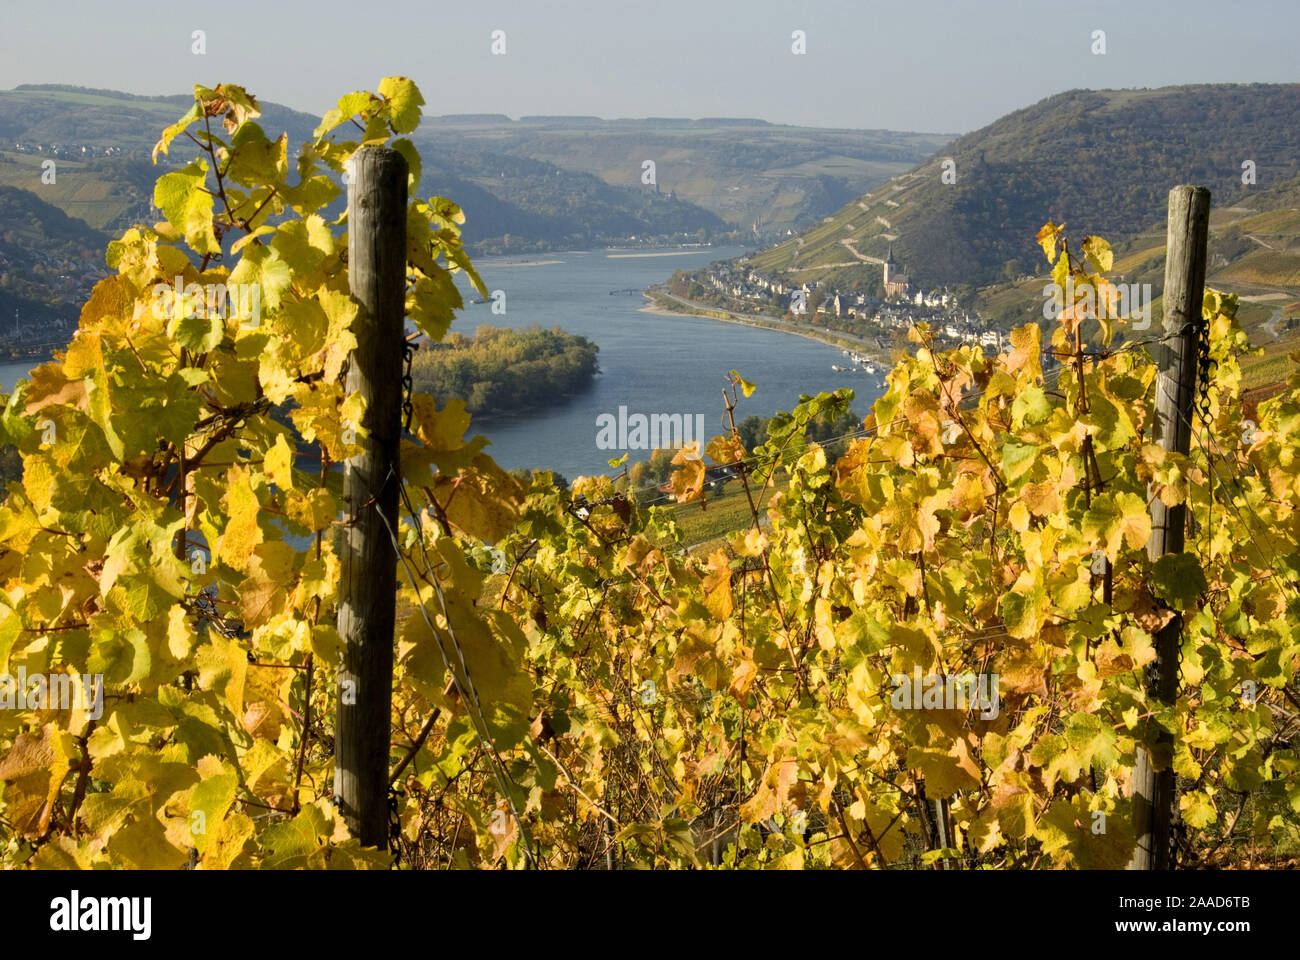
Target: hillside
x: 1100, y: 161
x: 1254, y: 252
x: 745, y: 171
x: 517, y: 197
x: 48, y: 264
x: 544, y: 182
x: 100, y: 141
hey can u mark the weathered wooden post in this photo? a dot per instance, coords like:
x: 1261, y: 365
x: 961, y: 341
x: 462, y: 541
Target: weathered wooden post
x: 1185, y: 257
x: 367, y: 593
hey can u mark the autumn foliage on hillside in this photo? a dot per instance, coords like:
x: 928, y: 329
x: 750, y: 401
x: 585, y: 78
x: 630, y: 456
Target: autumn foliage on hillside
x: 571, y: 691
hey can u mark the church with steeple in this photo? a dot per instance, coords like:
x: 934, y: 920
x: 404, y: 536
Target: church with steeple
x: 896, y: 282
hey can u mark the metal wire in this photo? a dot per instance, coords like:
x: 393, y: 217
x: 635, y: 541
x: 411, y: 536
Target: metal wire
x: 1232, y: 503
x: 468, y: 694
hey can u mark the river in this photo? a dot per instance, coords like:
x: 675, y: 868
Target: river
x: 650, y: 364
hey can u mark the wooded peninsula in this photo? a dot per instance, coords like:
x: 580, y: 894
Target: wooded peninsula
x: 500, y: 371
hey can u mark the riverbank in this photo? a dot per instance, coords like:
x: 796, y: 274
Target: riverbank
x: 527, y: 263
x: 665, y: 253
x: 666, y: 305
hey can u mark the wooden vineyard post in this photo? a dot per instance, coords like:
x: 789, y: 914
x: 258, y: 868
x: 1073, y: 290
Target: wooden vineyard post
x: 1185, y: 257
x: 368, y: 589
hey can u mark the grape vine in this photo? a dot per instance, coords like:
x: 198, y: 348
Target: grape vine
x: 572, y: 690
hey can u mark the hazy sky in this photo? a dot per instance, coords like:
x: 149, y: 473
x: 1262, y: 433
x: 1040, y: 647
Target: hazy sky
x: 906, y: 64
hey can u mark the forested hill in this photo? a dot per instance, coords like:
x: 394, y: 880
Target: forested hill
x: 1099, y: 160
x: 538, y: 206
x: 102, y: 139
x: 48, y: 264
x: 545, y: 182
x: 745, y: 171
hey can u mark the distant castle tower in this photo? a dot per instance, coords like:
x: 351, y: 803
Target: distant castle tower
x: 896, y: 282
